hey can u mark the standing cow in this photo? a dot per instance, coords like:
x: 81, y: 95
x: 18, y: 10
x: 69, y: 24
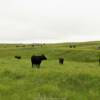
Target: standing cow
x: 61, y: 60
x: 36, y: 60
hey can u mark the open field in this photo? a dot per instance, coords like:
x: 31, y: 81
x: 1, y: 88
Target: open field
x: 77, y: 79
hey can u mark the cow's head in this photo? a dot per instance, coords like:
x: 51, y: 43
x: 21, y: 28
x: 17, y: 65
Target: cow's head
x: 43, y: 57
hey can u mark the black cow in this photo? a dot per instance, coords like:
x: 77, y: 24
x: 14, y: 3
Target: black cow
x: 99, y: 61
x: 18, y: 57
x: 72, y: 46
x: 36, y: 60
x: 61, y: 60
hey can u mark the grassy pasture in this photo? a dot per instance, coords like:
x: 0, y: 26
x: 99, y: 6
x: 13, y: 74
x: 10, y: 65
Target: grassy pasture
x: 77, y: 79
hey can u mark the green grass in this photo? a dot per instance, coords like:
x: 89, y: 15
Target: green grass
x: 77, y: 79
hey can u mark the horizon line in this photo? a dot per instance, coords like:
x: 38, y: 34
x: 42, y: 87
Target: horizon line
x: 42, y: 42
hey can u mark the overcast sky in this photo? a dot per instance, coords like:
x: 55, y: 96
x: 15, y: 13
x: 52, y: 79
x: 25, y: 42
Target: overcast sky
x: 49, y: 20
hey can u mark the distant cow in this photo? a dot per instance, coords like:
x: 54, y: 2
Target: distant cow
x: 18, y: 57
x: 72, y: 46
x: 98, y: 48
x: 36, y: 60
x: 99, y: 60
x: 61, y: 60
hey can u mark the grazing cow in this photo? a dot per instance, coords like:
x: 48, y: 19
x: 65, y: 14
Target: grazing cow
x: 36, y: 60
x: 18, y: 57
x: 61, y: 60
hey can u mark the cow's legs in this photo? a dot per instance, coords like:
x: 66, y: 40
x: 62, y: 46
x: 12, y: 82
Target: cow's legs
x: 32, y: 65
x: 38, y: 66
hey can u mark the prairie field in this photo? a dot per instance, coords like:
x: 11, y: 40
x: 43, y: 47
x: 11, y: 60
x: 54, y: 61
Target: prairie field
x: 77, y: 79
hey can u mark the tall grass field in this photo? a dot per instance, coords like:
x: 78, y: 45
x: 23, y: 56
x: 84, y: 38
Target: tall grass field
x: 77, y: 79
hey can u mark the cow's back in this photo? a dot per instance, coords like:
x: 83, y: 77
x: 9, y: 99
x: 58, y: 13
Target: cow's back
x: 36, y: 59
